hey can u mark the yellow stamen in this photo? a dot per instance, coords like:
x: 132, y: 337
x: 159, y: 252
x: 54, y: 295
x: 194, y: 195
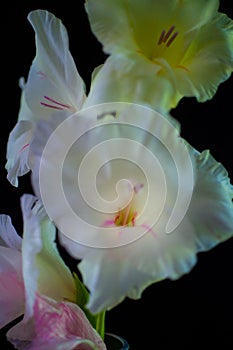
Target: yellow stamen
x: 127, y: 216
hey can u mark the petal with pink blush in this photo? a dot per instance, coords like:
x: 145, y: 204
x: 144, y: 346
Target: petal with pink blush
x: 11, y: 285
x: 63, y: 326
x: 43, y: 269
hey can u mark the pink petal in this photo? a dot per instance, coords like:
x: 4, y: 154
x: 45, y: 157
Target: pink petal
x: 11, y: 286
x: 63, y: 322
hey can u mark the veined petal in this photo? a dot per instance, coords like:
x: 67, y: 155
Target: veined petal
x: 211, y: 208
x: 43, y: 268
x: 25, y: 113
x: 208, y: 222
x: 8, y: 235
x: 53, y: 83
x: 143, y: 21
x: 62, y: 326
x: 208, y: 60
x: 188, y: 43
x: 108, y: 20
x: 126, y: 270
x: 53, y: 87
x: 55, y: 325
x: 11, y: 285
x: 132, y: 79
x: 190, y: 15
x: 17, y: 151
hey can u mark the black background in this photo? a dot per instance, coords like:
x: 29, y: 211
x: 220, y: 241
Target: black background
x: 195, y: 311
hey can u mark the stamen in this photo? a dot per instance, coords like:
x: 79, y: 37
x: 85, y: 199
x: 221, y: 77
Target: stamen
x: 161, y: 37
x: 56, y: 102
x: 50, y: 106
x: 167, y: 37
x: 25, y: 146
x: 126, y: 215
x: 168, y: 33
x: 170, y: 41
x: 183, y: 67
x: 42, y: 75
x: 58, y: 105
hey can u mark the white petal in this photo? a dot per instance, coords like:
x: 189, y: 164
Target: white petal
x: 211, y: 208
x: 131, y: 78
x: 17, y: 151
x: 53, y: 78
x: 208, y: 222
x: 112, y: 274
x: 8, y: 236
x: 43, y: 268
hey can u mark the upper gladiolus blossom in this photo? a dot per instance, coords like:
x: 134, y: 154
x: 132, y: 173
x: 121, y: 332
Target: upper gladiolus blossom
x: 161, y: 50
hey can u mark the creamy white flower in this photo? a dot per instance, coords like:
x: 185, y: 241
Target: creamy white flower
x: 160, y: 50
x: 125, y: 242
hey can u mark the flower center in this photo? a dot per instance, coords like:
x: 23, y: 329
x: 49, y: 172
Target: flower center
x: 127, y: 215
x: 167, y: 38
x: 162, y: 48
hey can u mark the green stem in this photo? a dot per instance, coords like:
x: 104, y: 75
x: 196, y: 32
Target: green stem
x: 97, y: 321
x: 100, y: 324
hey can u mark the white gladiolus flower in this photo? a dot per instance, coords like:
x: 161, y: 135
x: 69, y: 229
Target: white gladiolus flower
x: 131, y: 198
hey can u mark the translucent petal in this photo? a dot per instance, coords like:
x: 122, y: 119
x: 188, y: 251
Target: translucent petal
x: 108, y: 27
x: 43, y: 268
x: 8, y: 236
x: 112, y: 274
x: 196, y: 61
x: 63, y: 325
x: 11, y: 285
x: 143, y: 21
x: 17, y: 151
x: 208, y: 222
x: 53, y: 87
x: 132, y: 79
x: 208, y: 60
x: 211, y: 208
x: 53, y: 83
x: 56, y: 325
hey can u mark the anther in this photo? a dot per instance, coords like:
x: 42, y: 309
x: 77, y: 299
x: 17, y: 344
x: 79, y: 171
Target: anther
x: 167, y: 37
x: 161, y: 37
x: 168, y: 33
x: 170, y: 41
x: 58, y: 105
